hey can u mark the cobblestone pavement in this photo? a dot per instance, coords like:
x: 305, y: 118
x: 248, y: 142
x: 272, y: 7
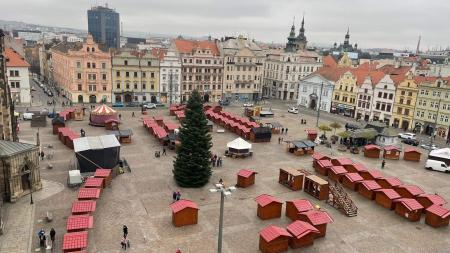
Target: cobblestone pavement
x: 140, y: 199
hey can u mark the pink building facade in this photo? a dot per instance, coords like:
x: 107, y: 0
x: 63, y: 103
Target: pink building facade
x: 82, y: 71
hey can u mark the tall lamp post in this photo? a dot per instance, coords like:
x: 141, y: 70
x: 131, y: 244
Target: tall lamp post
x: 223, y: 192
x: 31, y: 188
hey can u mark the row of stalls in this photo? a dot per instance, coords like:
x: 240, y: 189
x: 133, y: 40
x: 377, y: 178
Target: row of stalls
x: 82, y: 219
x: 66, y: 135
x: 164, y: 131
x: 408, y: 201
x: 308, y: 223
x: 75, y: 113
x: 300, y: 147
x: 239, y: 125
x: 391, y: 152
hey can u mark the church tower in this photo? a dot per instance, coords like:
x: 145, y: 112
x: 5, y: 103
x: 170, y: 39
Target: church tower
x: 301, y: 38
x: 347, y: 40
x: 291, y: 45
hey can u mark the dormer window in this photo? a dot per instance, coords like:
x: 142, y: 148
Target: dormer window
x: 439, y: 84
x: 93, y: 49
x: 88, y: 49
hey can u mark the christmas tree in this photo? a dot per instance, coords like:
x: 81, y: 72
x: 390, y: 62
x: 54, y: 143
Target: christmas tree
x: 192, y: 167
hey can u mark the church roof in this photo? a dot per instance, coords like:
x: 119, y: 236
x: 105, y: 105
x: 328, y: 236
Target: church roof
x: 10, y: 148
x: 187, y: 46
x: 328, y: 61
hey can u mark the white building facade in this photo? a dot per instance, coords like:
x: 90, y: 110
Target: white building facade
x: 364, y: 100
x: 170, y: 78
x: 309, y: 92
x: 383, y: 101
x: 17, y: 71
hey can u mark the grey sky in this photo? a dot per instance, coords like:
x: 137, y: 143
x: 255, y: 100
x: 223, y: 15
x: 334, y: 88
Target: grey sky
x: 380, y: 23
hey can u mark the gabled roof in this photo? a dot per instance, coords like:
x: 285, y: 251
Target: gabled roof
x: 439, y: 211
x: 188, y: 46
x: 411, y: 150
x: 10, y: 148
x: 390, y: 148
x: 343, y: 161
x: 329, y: 73
x: 392, y: 181
x: 353, y: 177
x: 412, y: 189
x: 433, y: 198
x: 338, y: 170
x: 74, y: 241
x: 359, y: 167
x: 14, y: 59
x: 390, y: 193
x: 328, y: 61
x: 317, y: 217
x: 83, y: 206
x: 271, y: 233
x: 374, y: 173
x: 182, y: 204
x: 300, y: 228
x: 319, y: 156
x: 246, y: 173
x: 265, y: 199
x: 324, y: 163
x: 302, y: 205
x: 410, y: 204
x: 370, y: 184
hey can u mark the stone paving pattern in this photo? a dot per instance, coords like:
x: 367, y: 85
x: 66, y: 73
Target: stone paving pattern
x: 140, y: 199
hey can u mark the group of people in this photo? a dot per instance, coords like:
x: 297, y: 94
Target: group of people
x: 159, y: 154
x: 216, y: 161
x: 125, y: 243
x: 43, y: 238
x: 280, y: 140
x: 176, y: 195
x: 284, y: 130
x: 303, y: 121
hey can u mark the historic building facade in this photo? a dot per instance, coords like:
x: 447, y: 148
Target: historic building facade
x: 170, y: 77
x: 82, y: 71
x: 243, y: 68
x: 344, y: 95
x: 17, y: 71
x: 7, y: 121
x: 364, y: 100
x: 135, y: 77
x: 405, y: 103
x: 383, y: 99
x: 201, y: 68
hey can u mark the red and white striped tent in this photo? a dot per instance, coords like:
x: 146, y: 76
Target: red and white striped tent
x: 101, y: 114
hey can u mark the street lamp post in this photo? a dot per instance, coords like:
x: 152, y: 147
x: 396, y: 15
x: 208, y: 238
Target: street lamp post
x: 31, y: 188
x: 318, y: 104
x: 223, y: 192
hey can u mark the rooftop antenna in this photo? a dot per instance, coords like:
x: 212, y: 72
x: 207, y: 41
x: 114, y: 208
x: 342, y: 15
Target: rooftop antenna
x: 418, y: 45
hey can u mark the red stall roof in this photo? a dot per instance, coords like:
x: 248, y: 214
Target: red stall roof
x: 246, y: 173
x: 171, y: 126
x: 111, y: 120
x: 371, y: 185
x: 182, y: 204
x: 439, y: 211
x: 410, y: 204
x: 392, y: 181
x: 76, y: 240
x: 371, y: 147
x: 317, y: 217
x: 353, y: 177
x: 94, y: 182
x: 319, y: 156
x: 77, y: 222
x: 375, y: 173
x: 73, y: 136
x: 271, y: 233
x: 359, y: 167
x: 434, y: 198
x: 412, y: 189
x: 158, y: 117
x: 265, y: 199
x: 88, y: 193
x: 300, y: 228
x: 102, y: 172
x: 338, y: 170
x: 63, y: 129
x: 311, y: 131
x: 83, y: 206
x: 343, y: 161
x: 302, y: 205
x: 160, y: 132
x: 390, y: 193
x: 324, y: 163
x: 411, y: 150
x: 390, y: 148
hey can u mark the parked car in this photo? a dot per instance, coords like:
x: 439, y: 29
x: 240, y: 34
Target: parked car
x: 412, y: 142
x: 293, y: 110
x: 248, y: 104
x: 149, y: 106
x: 118, y: 104
x: 437, y: 165
x: 407, y: 136
x: 27, y: 115
x: 133, y: 104
x: 224, y: 102
x: 160, y: 105
x: 428, y: 146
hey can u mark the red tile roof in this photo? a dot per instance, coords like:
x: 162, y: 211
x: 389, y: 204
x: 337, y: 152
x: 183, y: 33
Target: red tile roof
x: 390, y: 148
x: 353, y: 177
x: 302, y: 205
x: 102, y: 173
x: 439, y: 211
x: 271, y: 233
x: 319, y: 156
x: 392, y: 181
x: 411, y: 150
x: 182, y: 204
x: 88, y: 193
x: 371, y: 146
x: 76, y: 240
x: 370, y: 185
x: 14, y: 59
x: 78, y: 222
x: 187, y: 46
x: 324, y: 163
x: 265, y: 199
x: 311, y: 131
x: 317, y: 217
x: 390, y: 193
x: 300, y: 228
x: 375, y: 173
x: 434, y: 198
x: 94, y: 182
x: 328, y: 61
x: 424, y: 79
x: 359, y: 167
x: 343, y: 161
x: 83, y: 206
x: 369, y: 65
x: 410, y: 204
x: 246, y: 173
x: 412, y: 189
x: 338, y: 170
x: 331, y: 73
x: 390, y: 69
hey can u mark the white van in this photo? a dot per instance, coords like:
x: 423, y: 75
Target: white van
x: 436, y: 165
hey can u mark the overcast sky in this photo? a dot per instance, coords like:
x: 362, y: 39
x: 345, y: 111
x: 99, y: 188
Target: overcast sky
x: 373, y: 23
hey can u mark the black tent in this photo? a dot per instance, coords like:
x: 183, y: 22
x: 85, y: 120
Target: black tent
x: 261, y: 134
x: 97, y: 152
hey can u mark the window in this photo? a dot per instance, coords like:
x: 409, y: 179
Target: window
x: 143, y: 74
x: 406, y: 111
x: 125, y: 62
x: 15, y: 85
x: 79, y: 87
x: 127, y: 74
x: 88, y: 65
x: 78, y: 64
x: 127, y: 85
x: 143, y: 86
x: 403, y: 92
x: 385, y: 95
x: 79, y: 76
x: 149, y: 63
x: 388, y: 108
x: 135, y: 86
x: 410, y: 93
x: 380, y: 94
x: 104, y: 87
x: 135, y: 74
x: 383, y: 107
x: 152, y: 74
x: 103, y: 65
x: 104, y: 76
x: 399, y: 110
x: 93, y: 49
x: 92, y: 87
x: 391, y: 96
x: 377, y: 106
x: 401, y: 100
x: 144, y: 98
x: 118, y: 86
x: 93, y: 65
x: 88, y: 49
x: 118, y: 73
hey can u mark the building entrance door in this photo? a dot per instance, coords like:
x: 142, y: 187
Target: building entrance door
x: 92, y: 99
x: 80, y: 98
x: 128, y: 98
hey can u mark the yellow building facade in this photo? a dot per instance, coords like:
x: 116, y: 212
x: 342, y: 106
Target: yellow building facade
x: 405, y: 103
x: 344, y: 95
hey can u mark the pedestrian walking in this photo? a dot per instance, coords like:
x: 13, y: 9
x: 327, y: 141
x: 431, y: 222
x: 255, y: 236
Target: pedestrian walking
x: 125, y: 231
x: 221, y: 181
x: 178, y: 195
x: 164, y: 151
x: 123, y: 242
x: 82, y: 132
x: 43, y: 241
x: 120, y: 116
x: 279, y: 140
x: 41, y: 232
x: 52, y: 236
x: 174, y: 196
x: 42, y: 155
x: 133, y: 115
x: 285, y: 131
x: 282, y: 139
x: 383, y: 163
x: 219, y: 161
x: 282, y: 130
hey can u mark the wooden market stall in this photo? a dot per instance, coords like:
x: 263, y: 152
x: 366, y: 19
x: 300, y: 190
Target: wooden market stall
x: 296, y: 206
x: 303, y: 234
x: 336, y: 173
x: 275, y: 127
x: 70, y: 138
x: 269, y: 207
x: 238, y: 148
x: 61, y: 131
x: 245, y: 178
x: 89, y: 193
x: 355, y: 168
x: 78, y: 113
x: 76, y: 223
x: 316, y: 187
x: 318, y: 157
x: 273, y: 239
x: 343, y: 161
x: 427, y: 200
x: 58, y: 122
x: 104, y: 173
x: 95, y: 182
x: 409, y: 191
x: 123, y: 136
x: 312, y: 134
x: 386, y: 197
x: 411, y: 154
x: 301, y: 147
x: 112, y: 124
x: 319, y: 219
x: 323, y: 166
x: 408, y: 208
x: 351, y: 181
x: 388, y: 182
x: 367, y: 188
x: 83, y: 207
x: 371, y: 174
x: 291, y: 178
x: 372, y: 151
x: 76, y: 241
x: 391, y: 152
x: 184, y: 212
x: 260, y: 134
x: 437, y: 216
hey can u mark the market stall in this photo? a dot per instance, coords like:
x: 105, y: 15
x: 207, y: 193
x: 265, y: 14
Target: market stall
x: 303, y: 234
x: 322, y: 167
x: 112, y: 124
x: 76, y: 241
x: 238, y: 148
x: 371, y: 174
x: 312, y: 134
x: 408, y: 208
x: 83, y: 207
x: 260, y: 134
x: 101, y: 114
x: 273, y: 239
x: 411, y: 154
x: 123, y: 136
x: 351, y: 181
x: 427, y: 200
x: 336, y: 173
x: 105, y: 174
x: 291, y: 178
x: 58, y: 122
x: 89, y: 193
x: 316, y: 187
x: 245, y: 178
x: 391, y: 152
x: 269, y: 207
x: 301, y: 147
x: 367, y: 188
x: 296, y: 206
x: 386, y: 197
x: 437, y: 216
x: 95, y: 182
x: 409, y: 191
x: 184, y: 212
x: 372, y: 151
x: 319, y: 219
x: 388, y: 182
x: 76, y: 223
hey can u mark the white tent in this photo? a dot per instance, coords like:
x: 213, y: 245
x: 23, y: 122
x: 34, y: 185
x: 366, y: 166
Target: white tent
x: 443, y: 153
x: 239, y: 144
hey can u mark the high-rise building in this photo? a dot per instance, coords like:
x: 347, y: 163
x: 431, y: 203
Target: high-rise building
x: 104, y: 25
